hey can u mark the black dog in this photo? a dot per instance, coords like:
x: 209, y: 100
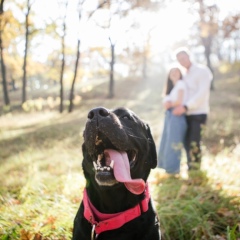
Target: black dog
x: 119, y: 153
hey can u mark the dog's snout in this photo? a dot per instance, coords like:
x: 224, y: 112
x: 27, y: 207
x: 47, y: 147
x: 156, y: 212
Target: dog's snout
x: 98, y: 112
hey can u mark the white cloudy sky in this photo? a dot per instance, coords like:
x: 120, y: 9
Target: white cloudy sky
x: 169, y: 25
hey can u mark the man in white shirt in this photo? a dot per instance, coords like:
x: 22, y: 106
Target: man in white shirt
x: 198, y: 82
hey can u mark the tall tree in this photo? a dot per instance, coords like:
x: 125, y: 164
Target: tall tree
x: 208, y: 27
x: 27, y: 33
x: 71, y: 96
x: 115, y: 12
x: 112, y: 62
x: 207, y: 24
x: 3, y: 67
x: 63, y: 35
x: 231, y: 33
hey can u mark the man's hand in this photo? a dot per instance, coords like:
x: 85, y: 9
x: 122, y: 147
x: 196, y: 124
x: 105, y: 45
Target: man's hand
x: 179, y: 110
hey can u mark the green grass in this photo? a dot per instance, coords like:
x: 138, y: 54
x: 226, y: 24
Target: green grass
x: 192, y: 209
x: 41, y: 177
x: 42, y: 181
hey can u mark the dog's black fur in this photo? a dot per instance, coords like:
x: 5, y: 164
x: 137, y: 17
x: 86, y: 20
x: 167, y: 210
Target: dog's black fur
x: 122, y: 130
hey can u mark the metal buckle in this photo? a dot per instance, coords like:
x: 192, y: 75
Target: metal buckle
x: 93, y: 232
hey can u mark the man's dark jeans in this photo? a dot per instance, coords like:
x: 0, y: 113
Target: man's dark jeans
x: 195, y: 128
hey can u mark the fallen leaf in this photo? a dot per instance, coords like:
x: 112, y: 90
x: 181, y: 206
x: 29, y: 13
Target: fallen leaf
x: 37, y: 236
x: 25, y: 235
x: 225, y: 212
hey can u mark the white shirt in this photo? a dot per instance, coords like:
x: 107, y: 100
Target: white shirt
x: 173, y: 95
x: 198, y: 82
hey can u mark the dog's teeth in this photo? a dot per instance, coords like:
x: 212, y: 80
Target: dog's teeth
x: 108, y: 168
x: 99, y: 157
x: 111, y: 164
x: 95, y: 165
x: 101, y: 169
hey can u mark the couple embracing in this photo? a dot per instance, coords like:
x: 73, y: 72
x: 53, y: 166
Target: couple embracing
x: 187, y: 105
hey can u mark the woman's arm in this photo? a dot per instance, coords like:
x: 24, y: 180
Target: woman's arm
x: 166, y: 102
x: 179, y: 100
x: 167, y: 105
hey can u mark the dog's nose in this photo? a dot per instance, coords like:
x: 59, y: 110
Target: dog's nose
x: 98, y: 112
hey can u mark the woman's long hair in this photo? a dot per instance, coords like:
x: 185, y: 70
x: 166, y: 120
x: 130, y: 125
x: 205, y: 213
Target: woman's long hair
x: 169, y: 84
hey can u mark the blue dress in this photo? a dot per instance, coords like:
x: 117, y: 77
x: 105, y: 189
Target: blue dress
x: 172, y: 142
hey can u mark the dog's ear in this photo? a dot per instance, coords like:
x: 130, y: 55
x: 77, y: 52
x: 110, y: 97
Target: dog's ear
x: 152, y: 148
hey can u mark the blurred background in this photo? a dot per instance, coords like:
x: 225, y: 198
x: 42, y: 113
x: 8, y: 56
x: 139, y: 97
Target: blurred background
x: 52, y: 49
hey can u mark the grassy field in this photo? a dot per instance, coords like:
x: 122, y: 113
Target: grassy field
x: 41, y: 178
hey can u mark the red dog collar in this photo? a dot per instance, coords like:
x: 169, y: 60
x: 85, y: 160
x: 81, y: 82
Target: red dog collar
x: 108, y: 222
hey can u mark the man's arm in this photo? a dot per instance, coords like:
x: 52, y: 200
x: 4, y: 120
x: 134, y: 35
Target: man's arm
x: 203, y: 90
x: 196, y: 100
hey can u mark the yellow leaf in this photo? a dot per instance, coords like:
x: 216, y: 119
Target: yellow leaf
x: 25, y: 235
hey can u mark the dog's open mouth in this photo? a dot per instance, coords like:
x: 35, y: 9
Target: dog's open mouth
x: 113, y: 165
x: 104, y: 161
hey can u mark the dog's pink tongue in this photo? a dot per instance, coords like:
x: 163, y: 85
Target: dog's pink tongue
x: 121, y: 170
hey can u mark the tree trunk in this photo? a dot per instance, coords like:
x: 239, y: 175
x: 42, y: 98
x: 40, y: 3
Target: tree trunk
x: 62, y: 72
x: 206, y: 38
x: 207, y: 43
x: 24, y: 80
x: 63, y: 60
x: 74, y: 78
x: 112, y: 62
x: 3, y: 68
x: 71, y: 97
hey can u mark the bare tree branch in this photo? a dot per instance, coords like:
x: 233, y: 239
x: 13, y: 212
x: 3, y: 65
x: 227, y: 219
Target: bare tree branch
x: 98, y: 7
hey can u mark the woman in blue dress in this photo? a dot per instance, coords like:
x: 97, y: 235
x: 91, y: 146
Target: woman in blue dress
x: 172, y: 140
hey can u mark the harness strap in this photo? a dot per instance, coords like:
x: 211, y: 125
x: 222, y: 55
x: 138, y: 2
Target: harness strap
x: 115, y: 220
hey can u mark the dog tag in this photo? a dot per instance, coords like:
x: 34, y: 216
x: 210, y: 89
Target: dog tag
x: 93, y: 232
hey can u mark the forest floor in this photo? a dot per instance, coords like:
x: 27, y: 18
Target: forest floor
x: 40, y: 164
